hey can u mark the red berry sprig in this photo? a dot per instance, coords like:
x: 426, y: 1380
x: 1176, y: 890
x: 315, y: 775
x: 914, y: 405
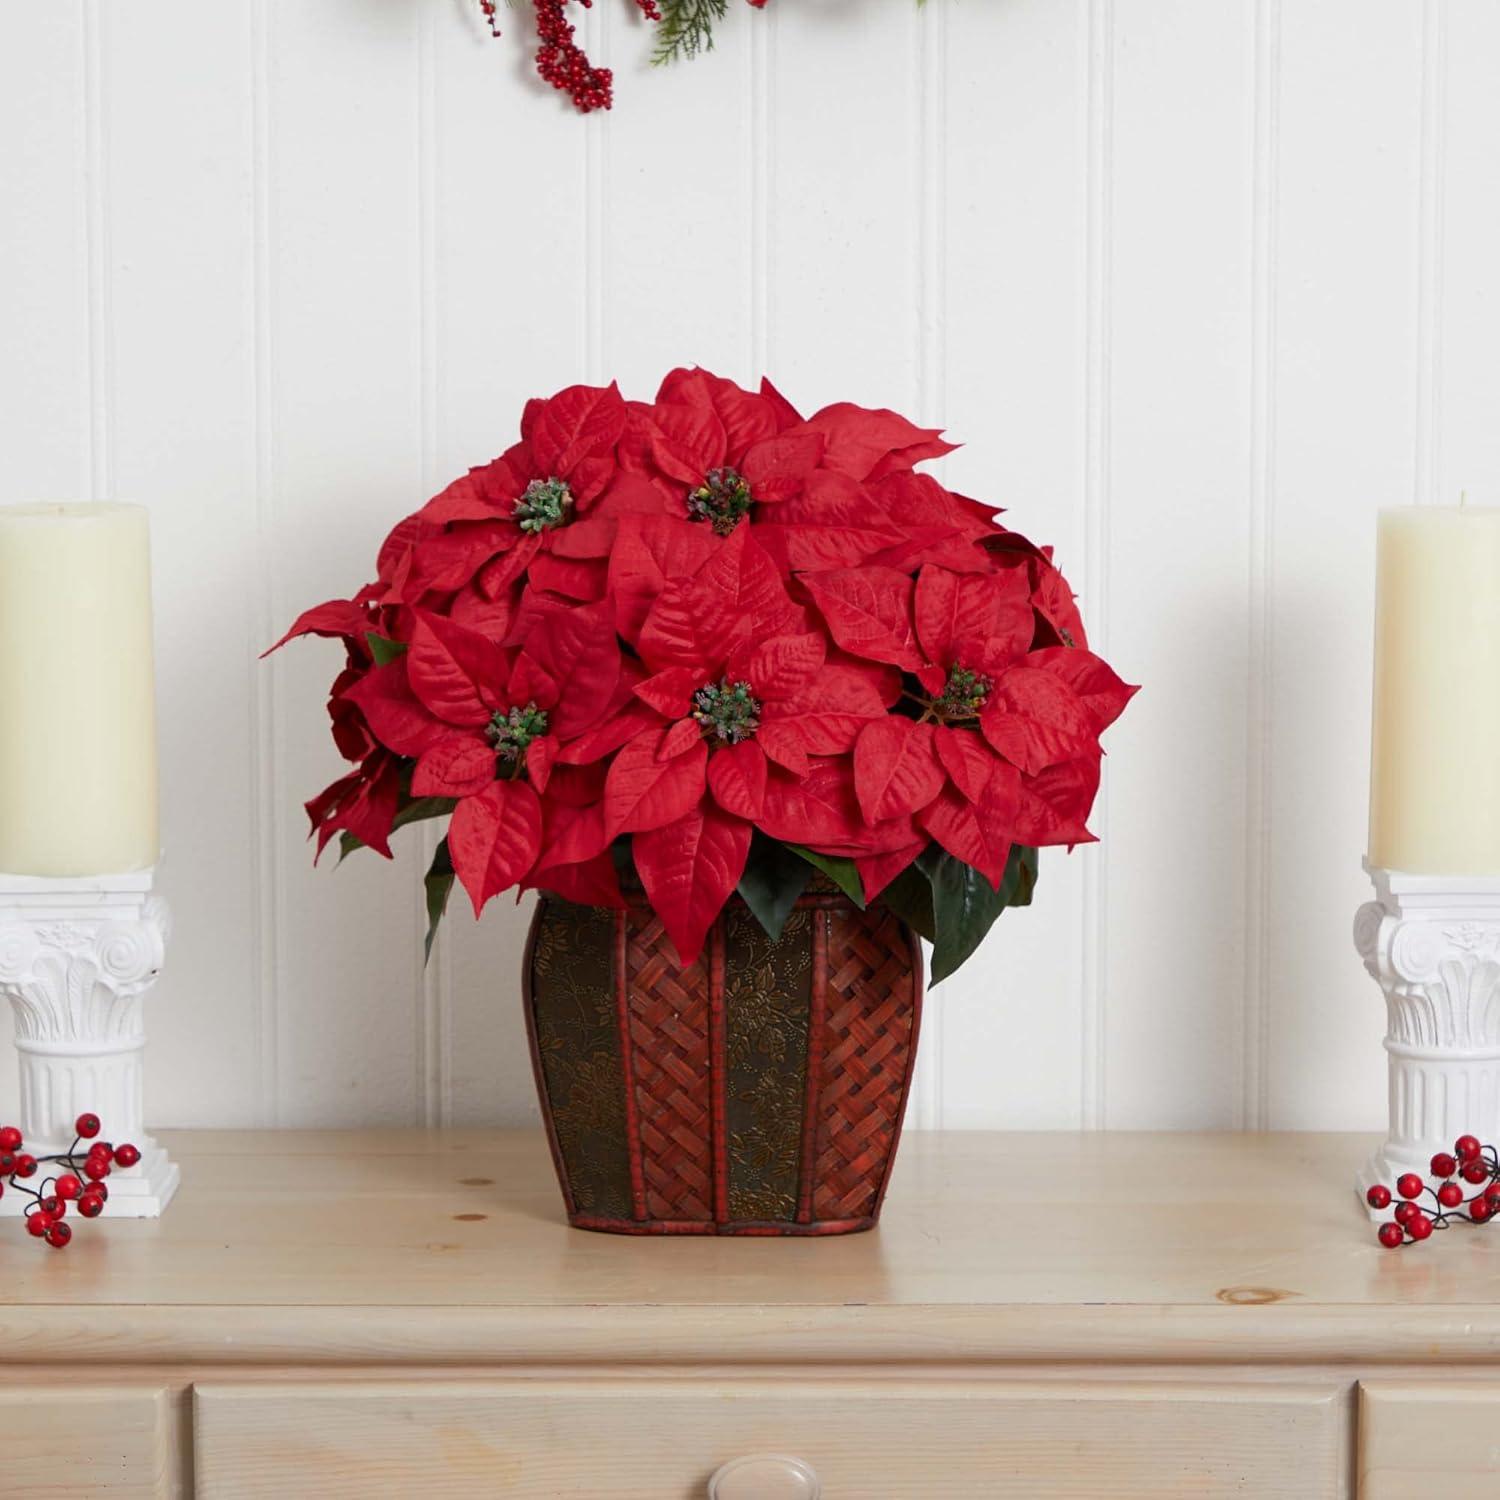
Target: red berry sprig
x: 1476, y: 1164
x: 81, y: 1183
x: 561, y: 62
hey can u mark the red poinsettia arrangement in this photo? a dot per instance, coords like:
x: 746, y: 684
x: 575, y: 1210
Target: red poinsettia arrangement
x: 711, y: 645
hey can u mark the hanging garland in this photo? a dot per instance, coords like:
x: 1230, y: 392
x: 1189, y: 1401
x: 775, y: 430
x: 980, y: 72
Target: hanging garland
x: 684, y: 28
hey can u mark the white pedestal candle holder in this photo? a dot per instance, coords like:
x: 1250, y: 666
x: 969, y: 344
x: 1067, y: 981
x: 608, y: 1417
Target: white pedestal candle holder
x: 76, y: 958
x: 1432, y: 944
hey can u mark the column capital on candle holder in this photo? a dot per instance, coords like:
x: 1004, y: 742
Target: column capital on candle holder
x: 1432, y: 944
x: 77, y: 957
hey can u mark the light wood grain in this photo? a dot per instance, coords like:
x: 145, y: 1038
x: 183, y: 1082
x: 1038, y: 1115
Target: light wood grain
x: 86, y: 1440
x: 452, y: 1248
x: 1437, y: 1439
x: 867, y: 1441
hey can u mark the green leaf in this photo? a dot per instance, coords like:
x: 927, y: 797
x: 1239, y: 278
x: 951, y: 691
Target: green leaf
x: 413, y: 811
x: 909, y: 895
x: 965, y: 905
x: 842, y: 872
x: 383, y: 649
x: 774, y: 877
x: 439, y: 884
x: 423, y: 807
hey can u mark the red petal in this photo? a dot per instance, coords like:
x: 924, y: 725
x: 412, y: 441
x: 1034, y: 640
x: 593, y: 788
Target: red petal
x: 573, y: 579
x: 819, y: 809
x: 573, y: 425
x: 783, y: 743
x: 686, y: 442
x: 737, y: 779
x: 862, y: 441
x: 396, y: 718
x: 1055, y: 604
x: 869, y: 612
x: 574, y: 835
x: 490, y: 617
x: 956, y: 826
x: 955, y: 614
x: 787, y: 415
x: 593, y: 882
x: 570, y: 666
x: 541, y: 756
x: 457, y: 766
x: 339, y: 617
x: 681, y: 737
x: 456, y: 672
x: 895, y: 770
x: 643, y: 792
x: 363, y: 803
x: 1054, y: 805
x: 785, y: 664
x: 463, y: 500
x: 1099, y: 689
x: 648, y: 551
x: 493, y: 839
x: 966, y: 758
x: 689, y: 869
x: 608, y: 735
x: 876, y: 871
x: 736, y: 595
x: 670, y: 693
x: 449, y: 561
x: 1035, y: 720
x: 778, y: 467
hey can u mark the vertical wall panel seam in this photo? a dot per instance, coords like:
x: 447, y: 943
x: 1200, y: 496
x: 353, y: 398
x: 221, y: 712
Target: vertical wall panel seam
x: 1097, y: 332
x: 931, y: 356
x: 1254, y: 1105
x: 433, y: 1020
x: 595, y: 169
x: 265, y: 689
x: 1427, y: 487
x: 758, y: 168
x: 100, y: 321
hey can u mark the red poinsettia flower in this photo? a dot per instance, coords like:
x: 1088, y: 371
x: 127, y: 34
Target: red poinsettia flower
x: 829, y: 491
x: 682, y: 632
x: 534, y: 511
x: 483, y: 725
x: 739, y: 690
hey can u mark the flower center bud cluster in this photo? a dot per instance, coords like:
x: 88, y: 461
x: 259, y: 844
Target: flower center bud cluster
x: 727, y: 711
x: 546, y: 503
x: 723, y: 500
x: 511, y: 732
x: 965, y: 695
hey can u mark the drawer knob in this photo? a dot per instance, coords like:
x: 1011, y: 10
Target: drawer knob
x: 765, y: 1476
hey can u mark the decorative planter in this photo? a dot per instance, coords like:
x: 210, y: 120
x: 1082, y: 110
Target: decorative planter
x: 758, y: 1091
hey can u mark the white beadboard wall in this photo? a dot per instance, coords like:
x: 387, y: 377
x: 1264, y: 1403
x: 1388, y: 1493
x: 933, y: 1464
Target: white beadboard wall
x: 1200, y: 285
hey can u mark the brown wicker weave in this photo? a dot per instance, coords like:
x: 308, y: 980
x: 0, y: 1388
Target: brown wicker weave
x: 759, y: 1091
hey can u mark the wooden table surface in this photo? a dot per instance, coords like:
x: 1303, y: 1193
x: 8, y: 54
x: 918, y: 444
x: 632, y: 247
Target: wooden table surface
x: 452, y: 1247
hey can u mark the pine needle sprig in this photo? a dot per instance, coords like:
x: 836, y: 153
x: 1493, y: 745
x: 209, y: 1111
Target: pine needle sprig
x: 686, y: 28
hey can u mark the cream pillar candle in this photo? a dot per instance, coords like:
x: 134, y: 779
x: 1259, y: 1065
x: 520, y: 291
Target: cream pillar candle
x: 1435, y: 749
x: 77, y: 710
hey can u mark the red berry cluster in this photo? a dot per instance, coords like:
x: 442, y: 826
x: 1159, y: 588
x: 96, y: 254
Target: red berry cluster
x: 561, y: 62
x: 81, y: 1183
x: 1474, y: 1164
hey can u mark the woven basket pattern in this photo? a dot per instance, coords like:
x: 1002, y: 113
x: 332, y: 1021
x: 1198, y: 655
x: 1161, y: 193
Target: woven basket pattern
x: 760, y: 1090
x: 669, y: 1042
x: 866, y: 1053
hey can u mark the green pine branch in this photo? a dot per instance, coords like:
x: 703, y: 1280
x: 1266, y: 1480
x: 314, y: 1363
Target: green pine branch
x: 686, y: 28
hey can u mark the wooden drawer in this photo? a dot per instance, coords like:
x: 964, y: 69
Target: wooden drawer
x: 85, y: 1440
x: 1438, y: 1438
x: 658, y: 1439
